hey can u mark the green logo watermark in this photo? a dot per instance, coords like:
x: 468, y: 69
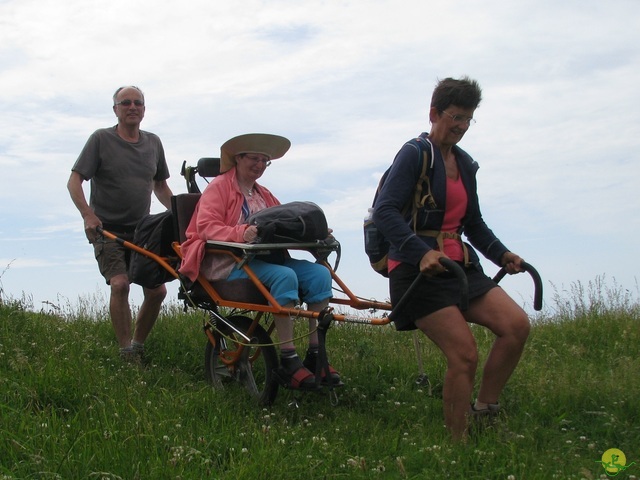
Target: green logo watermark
x: 614, y: 461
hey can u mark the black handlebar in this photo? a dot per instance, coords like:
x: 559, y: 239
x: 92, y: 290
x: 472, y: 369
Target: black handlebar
x: 451, y: 266
x: 537, y: 283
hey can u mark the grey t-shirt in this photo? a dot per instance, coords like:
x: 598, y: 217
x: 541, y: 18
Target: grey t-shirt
x: 121, y: 174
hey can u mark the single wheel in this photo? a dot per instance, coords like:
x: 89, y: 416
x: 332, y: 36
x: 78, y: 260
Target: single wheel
x: 252, y: 366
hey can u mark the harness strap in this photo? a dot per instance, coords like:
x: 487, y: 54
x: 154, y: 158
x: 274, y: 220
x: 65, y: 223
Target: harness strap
x: 419, y: 200
x: 440, y: 236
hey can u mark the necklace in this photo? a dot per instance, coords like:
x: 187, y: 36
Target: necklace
x: 249, y: 190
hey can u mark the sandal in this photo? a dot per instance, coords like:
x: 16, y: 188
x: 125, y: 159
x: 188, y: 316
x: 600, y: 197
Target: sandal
x: 292, y: 374
x: 311, y: 362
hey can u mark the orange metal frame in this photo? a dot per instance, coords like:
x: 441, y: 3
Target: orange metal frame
x: 274, y: 307
x: 229, y: 358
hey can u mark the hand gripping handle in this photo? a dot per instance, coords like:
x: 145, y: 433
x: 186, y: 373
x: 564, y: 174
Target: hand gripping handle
x: 537, y: 283
x: 451, y: 266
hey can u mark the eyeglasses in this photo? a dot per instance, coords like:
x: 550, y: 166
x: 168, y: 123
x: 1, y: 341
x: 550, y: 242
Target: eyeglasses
x: 127, y: 103
x: 258, y: 159
x: 461, y: 118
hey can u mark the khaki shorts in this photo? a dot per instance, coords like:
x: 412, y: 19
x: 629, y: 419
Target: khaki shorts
x: 113, y: 258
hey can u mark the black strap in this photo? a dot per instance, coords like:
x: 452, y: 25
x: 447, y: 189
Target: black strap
x: 114, y: 227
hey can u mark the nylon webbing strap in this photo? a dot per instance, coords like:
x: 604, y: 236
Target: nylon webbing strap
x: 418, y: 199
x: 440, y: 236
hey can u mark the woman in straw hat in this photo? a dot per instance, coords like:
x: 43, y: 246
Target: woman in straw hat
x: 220, y: 215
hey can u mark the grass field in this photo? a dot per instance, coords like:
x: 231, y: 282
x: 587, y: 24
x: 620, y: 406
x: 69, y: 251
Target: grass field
x: 70, y: 409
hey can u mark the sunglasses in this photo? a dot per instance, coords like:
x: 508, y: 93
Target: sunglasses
x: 127, y: 103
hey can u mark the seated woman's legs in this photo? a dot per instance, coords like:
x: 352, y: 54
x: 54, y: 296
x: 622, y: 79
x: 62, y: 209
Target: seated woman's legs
x: 314, y: 284
x: 315, y: 289
x: 282, y: 283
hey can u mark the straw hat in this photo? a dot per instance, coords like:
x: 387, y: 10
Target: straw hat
x: 273, y: 146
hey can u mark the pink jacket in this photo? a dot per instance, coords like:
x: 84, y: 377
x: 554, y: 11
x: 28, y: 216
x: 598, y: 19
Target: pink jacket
x: 216, y: 217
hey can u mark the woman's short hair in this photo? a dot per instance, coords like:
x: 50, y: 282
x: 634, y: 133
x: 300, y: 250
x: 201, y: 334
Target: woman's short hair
x: 463, y: 92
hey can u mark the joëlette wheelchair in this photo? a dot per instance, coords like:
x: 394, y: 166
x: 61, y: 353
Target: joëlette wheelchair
x: 239, y: 321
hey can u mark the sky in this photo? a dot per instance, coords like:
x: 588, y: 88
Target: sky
x: 348, y: 82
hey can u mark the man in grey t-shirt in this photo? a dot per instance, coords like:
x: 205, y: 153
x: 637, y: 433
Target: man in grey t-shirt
x: 124, y: 166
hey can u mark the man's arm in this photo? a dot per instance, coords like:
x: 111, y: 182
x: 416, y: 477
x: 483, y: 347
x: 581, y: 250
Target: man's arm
x: 91, y: 221
x: 163, y: 192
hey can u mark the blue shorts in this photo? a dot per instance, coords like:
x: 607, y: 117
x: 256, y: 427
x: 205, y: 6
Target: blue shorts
x: 292, y: 281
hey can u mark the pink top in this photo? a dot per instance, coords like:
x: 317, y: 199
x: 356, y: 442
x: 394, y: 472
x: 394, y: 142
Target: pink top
x: 456, y: 206
x: 218, y: 216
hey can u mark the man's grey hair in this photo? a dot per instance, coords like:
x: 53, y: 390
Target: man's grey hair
x: 115, y: 95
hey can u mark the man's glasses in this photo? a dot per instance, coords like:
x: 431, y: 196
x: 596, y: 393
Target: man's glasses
x: 461, y: 118
x: 258, y: 159
x: 127, y: 103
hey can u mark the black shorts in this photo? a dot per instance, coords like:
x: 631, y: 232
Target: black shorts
x: 432, y: 293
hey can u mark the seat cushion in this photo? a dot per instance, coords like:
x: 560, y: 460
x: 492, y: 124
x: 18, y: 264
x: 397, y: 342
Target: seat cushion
x: 240, y: 290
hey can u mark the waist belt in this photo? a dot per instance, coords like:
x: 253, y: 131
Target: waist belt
x: 440, y: 236
x: 112, y: 227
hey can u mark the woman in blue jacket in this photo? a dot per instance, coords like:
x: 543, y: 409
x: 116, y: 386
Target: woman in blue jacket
x: 450, y: 209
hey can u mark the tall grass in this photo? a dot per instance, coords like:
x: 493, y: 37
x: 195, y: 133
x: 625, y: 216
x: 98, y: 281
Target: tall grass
x: 70, y: 409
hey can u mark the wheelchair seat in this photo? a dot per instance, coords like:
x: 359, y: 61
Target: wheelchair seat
x: 242, y: 290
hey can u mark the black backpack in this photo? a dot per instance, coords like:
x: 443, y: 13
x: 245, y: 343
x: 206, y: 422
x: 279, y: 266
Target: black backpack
x: 376, y: 246
x: 154, y: 233
x: 290, y: 222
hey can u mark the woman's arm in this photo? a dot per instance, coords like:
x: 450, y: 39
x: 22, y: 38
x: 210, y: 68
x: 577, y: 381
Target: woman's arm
x: 394, y: 197
x: 218, y: 214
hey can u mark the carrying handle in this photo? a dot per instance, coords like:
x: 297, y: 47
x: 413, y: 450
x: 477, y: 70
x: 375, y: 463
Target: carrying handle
x: 537, y: 283
x: 451, y: 266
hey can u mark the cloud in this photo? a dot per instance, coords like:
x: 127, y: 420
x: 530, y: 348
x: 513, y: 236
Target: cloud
x: 348, y: 82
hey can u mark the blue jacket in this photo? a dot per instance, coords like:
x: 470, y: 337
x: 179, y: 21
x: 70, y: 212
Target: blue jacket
x: 398, y: 190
